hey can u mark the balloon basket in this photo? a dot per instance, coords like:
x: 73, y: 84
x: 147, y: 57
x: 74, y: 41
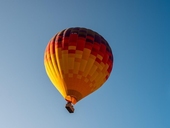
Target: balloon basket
x: 69, y: 107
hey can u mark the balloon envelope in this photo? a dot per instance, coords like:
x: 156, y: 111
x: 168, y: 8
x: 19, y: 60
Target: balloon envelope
x: 78, y: 61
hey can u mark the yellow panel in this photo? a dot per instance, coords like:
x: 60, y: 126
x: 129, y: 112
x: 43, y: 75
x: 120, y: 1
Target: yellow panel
x: 83, y: 65
x: 58, y: 60
x: 79, y: 54
x: 70, y: 63
x: 105, y: 68
x: 93, y: 77
x: 92, y: 70
x: 99, y: 56
x: 86, y: 53
x: 54, y: 80
x: 71, y: 47
x: 65, y: 61
x: 56, y: 70
x: 76, y: 67
x: 89, y: 65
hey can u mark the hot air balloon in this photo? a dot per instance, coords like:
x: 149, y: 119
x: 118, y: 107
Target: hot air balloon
x: 77, y: 61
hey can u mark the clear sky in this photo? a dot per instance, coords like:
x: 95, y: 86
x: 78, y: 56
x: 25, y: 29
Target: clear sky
x: 137, y: 94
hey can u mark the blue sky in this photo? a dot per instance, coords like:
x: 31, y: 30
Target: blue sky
x: 137, y: 94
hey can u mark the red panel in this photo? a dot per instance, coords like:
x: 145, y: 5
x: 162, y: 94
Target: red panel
x: 73, y: 38
x: 98, y: 60
x: 94, y: 51
x: 109, y: 69
x: 96, y: 46
x: 65, y: 43
x: 71, y: 51
x: 107, y: 77
x: 88, y: 45
x: 80, y: 44
x: 102, y: 48
x: 101, y: 53
x: 89, y: 37
x: 72, y: 43
x: 105, y: 59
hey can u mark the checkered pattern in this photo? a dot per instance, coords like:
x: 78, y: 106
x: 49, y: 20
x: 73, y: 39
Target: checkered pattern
x: 78, y: 61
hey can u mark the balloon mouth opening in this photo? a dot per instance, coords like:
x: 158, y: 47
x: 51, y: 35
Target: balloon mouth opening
x: 71, y: 99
